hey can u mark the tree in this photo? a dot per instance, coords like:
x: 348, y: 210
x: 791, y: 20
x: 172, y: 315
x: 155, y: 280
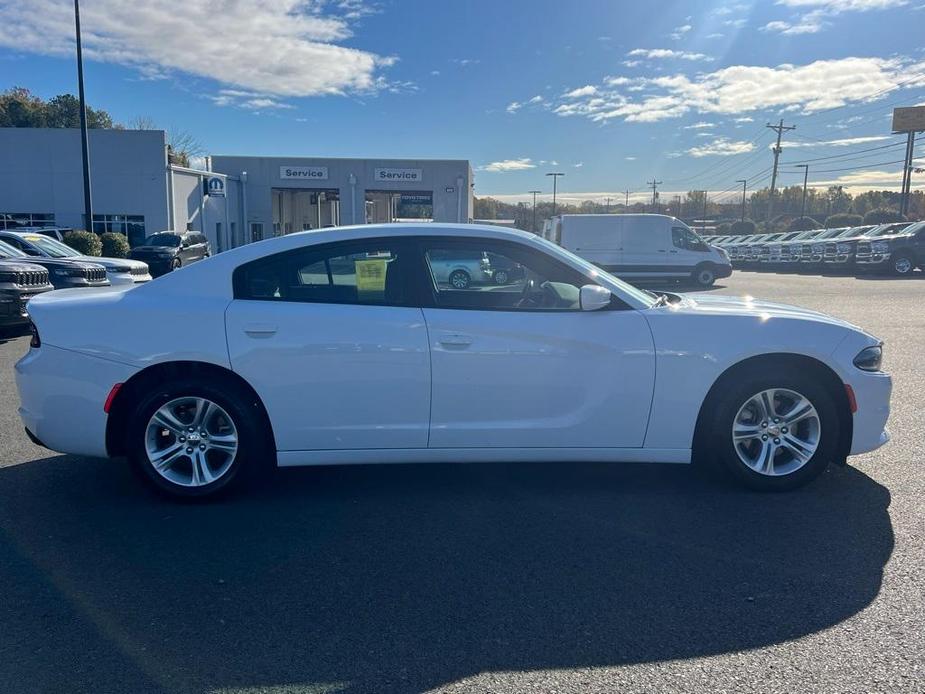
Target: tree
x: 837, y: 200
x: 85, y: 242
x: 843, y: 220
x: 182, y: 146
x: 803, y: 223
x: 114, y: 245
x: 19, y: 108
x: 742, y: 227
x: 883, y: 215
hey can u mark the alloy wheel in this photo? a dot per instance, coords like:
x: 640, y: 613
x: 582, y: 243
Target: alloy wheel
x: 776, y: 432
x: 902, y: 265
x: 191, y: 441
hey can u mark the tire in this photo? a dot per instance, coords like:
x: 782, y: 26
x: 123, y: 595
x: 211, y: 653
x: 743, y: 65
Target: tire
x: 501, y: 277
x: 704, y: 275
x: 176, y: 264
x: 788, y: 471
x: 460, y: 279
x: 902, y: 265
x: 249, y: 461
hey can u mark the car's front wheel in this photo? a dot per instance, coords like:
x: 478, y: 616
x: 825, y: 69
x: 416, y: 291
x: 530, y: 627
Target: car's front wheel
x: 704, y: 276
x: 176, y: 264
x: 774, y: 433
x: 195, y: 439
x: 902, y: 265
x: 459, y: 279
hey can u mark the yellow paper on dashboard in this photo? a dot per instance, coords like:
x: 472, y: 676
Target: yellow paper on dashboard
x: 371, y: 278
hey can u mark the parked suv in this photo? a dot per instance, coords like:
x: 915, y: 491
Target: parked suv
x: 19, y: 282
x: 166, y: 251
x: 119, y: 271
x: 896, y: 251
x: 64, y: 273
x: 460, y: 269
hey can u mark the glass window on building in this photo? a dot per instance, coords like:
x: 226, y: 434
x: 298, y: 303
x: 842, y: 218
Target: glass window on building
x: 12, y: 220
x: 132, y: 225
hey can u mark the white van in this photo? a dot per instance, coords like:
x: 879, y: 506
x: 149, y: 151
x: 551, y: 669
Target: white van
x: 641, y: 246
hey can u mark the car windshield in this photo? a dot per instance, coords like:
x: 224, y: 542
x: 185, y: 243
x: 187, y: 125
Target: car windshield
x: 8, y: 251
x: 162, y: 239
x: 50, y: 246
x: 884, y: 230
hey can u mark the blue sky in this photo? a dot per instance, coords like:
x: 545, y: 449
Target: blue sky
x: 609, y: 93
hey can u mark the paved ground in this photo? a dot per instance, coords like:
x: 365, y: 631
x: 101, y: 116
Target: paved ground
x: 504, y: 578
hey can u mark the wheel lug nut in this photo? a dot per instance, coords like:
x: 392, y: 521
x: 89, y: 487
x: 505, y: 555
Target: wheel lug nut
x: 776, y: 420
x: 783, y: 430
x: 764, y: 438
x: 192, y: 428
x: 182, y: 439
x: 202, y: 446
x: 764, y: 425
x: 189, y: 450
x: 776, y: 440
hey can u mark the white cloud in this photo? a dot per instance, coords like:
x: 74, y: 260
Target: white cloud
x: 666, y: 53
x: 680, y: 31
x: 535, y: 100
x: 821, y: 11
x: 285, y: 48
x: 842, y: 142
x: 630, y: 158
x: 506, y: 165
x: 514, y: 107
x: 740, y: 89
x: 700, y: 125
x: 722, y: 147
x: 744, y: 119
x: 715, y: 35
x: 466, y: 62
x: 578, y: 165
x: 587, y: 90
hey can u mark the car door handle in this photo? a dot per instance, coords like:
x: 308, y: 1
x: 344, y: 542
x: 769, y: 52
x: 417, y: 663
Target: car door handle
x: 672, y: 251
x: 455, y: 340
x: 259, y: 329
x: 662, y: 250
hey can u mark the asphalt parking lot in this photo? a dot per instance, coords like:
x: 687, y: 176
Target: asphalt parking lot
x: 480, y: 578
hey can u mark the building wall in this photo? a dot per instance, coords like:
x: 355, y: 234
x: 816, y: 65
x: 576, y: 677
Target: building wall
x: 450, y: 181
x: 197, y: 210
x: 41, y: 172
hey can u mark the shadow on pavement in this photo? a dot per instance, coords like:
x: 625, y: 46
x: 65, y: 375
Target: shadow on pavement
x: 402, y: 578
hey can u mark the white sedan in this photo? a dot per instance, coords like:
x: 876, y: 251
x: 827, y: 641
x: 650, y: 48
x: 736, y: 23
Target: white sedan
x: 340, y: 347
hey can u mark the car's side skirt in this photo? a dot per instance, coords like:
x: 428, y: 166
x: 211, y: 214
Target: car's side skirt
x: 483, y: 455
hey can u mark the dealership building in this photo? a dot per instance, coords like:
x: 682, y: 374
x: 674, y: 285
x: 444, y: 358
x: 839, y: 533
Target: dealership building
x: 233, y: 200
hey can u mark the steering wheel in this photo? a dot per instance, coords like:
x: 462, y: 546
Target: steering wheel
x: 525, y: 298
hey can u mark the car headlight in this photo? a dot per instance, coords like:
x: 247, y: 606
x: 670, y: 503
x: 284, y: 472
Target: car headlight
x: 68, y: 272
x: 880, y: 247
x: 819, y: 248
x: 870, y: 358
x: 844, y: 248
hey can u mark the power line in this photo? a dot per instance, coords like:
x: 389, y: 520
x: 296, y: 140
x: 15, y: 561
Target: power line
x: 855, y: 168
x: 849, y: 153
x: 655, y: 184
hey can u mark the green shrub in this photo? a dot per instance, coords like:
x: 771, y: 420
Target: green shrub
x: 84, y: 242
x: 115, y: 245
x: 843, y: 219
x: 803, y: 223
x: 883, y: 215
x: 724, y: 229
x: 743, y: 227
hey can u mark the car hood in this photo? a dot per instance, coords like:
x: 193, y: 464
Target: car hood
x: 888, y: 237
x: 52, y: 263
x: 17, y: 266
x: 114, y: 264
x: 749, y: 306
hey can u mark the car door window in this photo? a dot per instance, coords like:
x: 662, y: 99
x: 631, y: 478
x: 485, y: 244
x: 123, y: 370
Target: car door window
x: 686, y: 239
x: 374, y: 272
x: 500, y: 277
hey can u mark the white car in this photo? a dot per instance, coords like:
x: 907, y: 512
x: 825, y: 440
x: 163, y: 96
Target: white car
x: 273, y: 358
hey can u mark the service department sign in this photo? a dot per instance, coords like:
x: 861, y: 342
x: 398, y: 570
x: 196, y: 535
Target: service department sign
x: 311, y: 173
x: 399, y: 175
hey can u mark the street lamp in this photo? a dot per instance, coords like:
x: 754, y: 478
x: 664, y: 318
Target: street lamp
x: 84, y: 144
x: 805, y: 168
x: 555, y: 178
x: 744, y: 182
x: 535, y: 193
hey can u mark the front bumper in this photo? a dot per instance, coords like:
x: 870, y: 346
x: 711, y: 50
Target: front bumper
x: 723, y: 271
x: 13, y: 311
x: 872, y: 259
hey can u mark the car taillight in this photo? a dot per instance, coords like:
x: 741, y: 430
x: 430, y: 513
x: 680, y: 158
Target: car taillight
x: 35, y: 341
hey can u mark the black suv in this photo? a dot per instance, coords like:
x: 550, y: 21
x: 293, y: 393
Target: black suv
x: 170, y: 250
x: 898, y: 253
x: 19, y: 282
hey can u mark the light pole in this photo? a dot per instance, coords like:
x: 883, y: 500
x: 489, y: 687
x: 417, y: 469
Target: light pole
x: 84, y: 143
x: 744, y: 183
x: 555, y: 178
x: 805, y: 168
x: 534, y: 192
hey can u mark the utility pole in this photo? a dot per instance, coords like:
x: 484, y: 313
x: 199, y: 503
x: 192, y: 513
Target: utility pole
x: 626, y: 204
x: 84, y: 142
x: 555, y: 178
x: 655, y: 184
x: 703, y: 223
x: 744, y: 183
x: 907, y: 174
x: 608, y: 204
x: 805, y: 168
x: 779, y: 129
x: 534, y: 192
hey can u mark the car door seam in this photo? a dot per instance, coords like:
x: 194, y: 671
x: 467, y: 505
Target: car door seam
x: 430, y: 380
x: 645, y: 435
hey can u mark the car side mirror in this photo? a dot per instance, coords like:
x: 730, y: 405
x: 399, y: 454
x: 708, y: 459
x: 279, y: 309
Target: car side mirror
x: 593, y: 298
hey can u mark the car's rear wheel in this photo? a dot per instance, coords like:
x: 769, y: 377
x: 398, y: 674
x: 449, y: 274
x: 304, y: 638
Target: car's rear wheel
x: 775, y: 432
x: 459, y: 279
x: 704, y: 276
x: 175, y: 264
x: 902, y: 265
x: 194, y: 439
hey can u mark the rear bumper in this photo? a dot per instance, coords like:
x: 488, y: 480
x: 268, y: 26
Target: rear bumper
x: 61, y: 404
